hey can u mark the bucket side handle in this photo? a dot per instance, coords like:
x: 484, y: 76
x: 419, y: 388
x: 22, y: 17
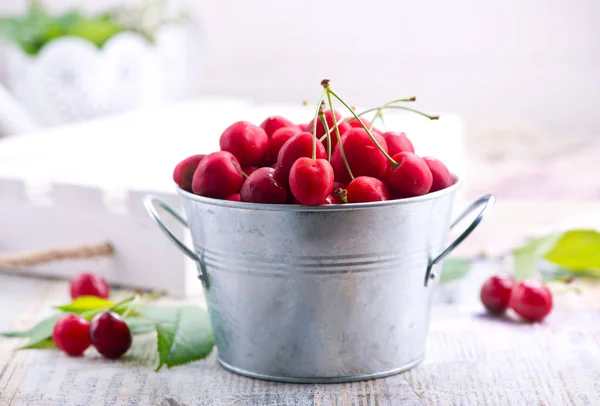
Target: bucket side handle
x: 150, y: 203
x: 486, y: 201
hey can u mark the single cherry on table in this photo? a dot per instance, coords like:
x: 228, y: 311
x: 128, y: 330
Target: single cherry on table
x: 71, y: 334
x: 89, y: 284
x: 495, y: 293
x: 110, y: 335
x: 532, y: 300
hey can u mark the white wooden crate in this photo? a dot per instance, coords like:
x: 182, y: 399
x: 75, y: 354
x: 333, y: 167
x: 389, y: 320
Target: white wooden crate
x: 83, y: 184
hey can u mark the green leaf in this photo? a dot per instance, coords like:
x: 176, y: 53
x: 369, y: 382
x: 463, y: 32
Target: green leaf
x: 84, y: 304
x: 139, y: 325
x: 183, y: 334
x: 46, y: 344
x: 454, y: 268
x: 576, y: 250
x: 94, y: 30
x: 37, y: 334
x: 527, y: 257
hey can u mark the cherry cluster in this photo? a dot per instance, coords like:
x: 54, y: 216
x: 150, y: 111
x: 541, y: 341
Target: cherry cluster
x: 530, y: 299
x: 332, y: 159
x: 107, y: 331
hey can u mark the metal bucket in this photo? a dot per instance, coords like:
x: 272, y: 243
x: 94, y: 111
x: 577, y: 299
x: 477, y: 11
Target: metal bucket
x: 319, y: 294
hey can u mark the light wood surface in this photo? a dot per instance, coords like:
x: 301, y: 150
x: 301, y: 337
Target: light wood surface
x: 471, y: 360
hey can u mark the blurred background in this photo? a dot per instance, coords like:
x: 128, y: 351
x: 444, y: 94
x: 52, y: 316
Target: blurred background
x: 523, y: 75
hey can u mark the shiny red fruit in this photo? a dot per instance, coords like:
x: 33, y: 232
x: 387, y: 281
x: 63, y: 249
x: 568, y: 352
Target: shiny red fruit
x: 235, y: 198
x: 531, y: 300
x: 311, y: 180
x: 495, y: 293
x: 218, y: 175
x: 412, y: 176
x: 274, y: 123
x: 356, y: 124
x: 279, y: 138
x: 184, y: 171
x: 397, y: 142
x: 328, y: 119
x: 247, y: 142
x: 364, y: 158
x: 71, y: 334
x: 300, y: 145
x: 367, y: 189
x: 263, y: 187
x: 89, y: 284
x: 110, y: 335
x: 442, y: 178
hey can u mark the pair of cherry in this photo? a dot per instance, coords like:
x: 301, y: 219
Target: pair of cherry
x: 107, y: 331
x: 530, y: 299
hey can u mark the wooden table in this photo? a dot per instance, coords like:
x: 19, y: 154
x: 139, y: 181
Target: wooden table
x: 472, y: 359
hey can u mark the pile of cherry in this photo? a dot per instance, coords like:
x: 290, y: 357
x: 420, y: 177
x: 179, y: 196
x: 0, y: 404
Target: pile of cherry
x: 530, y: 299
x: 107, y: 331
x: 334, y: 160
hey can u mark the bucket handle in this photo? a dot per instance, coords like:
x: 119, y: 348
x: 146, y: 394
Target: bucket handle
x: 485, y: 201
x: 150, y: 203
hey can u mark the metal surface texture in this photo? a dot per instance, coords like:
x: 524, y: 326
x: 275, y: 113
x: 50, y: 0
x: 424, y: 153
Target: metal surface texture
x: 320, y: 294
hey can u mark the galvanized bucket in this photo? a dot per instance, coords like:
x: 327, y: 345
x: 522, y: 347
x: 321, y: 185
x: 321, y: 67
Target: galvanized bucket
x: 319, y: 294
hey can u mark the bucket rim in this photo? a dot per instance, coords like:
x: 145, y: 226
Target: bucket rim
x: 322, y: 208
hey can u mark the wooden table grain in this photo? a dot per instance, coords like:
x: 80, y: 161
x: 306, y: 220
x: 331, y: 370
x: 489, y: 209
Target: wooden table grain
x: 472, y: 359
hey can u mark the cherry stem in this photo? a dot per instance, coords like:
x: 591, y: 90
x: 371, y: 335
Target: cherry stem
x: 390, y: 106
x: 342, y: 194
x: 337, y: 129
x: 314, y: 131
x: 324, y: 137
x: 330, y: 93
x: 244, y: 174
x: 327, y: 133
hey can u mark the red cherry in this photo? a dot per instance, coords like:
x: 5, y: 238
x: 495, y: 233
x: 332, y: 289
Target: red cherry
x: 364, y: 158
x: 300, y: 145
x: 89, y: 284
x: 247, y: 142
x: 412, y: 177
x: 71, y: 334
x: 263, y: 187
x: 279, y: 138
x: 531, y: 300
x: 249, y: 170
x: 311, y: 180
x: 234, y: 198
x: 495, y: 293
x: 397, y: 142
x: 274, y: 123
x: 184, y: 171
x: 442, y: 178
x: 110, y: 335
x: 218, y: 175
x: 367, y: 189
x: 356, y: 124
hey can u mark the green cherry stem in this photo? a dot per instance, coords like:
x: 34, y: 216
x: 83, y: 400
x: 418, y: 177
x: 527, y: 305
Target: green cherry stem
x: 389, y: 106
x: 244, y: 174
x: 330, y: 93
x: 130, y: 307
x: 337, y: 129
x: 314, y: 131
x: 327, y: 133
